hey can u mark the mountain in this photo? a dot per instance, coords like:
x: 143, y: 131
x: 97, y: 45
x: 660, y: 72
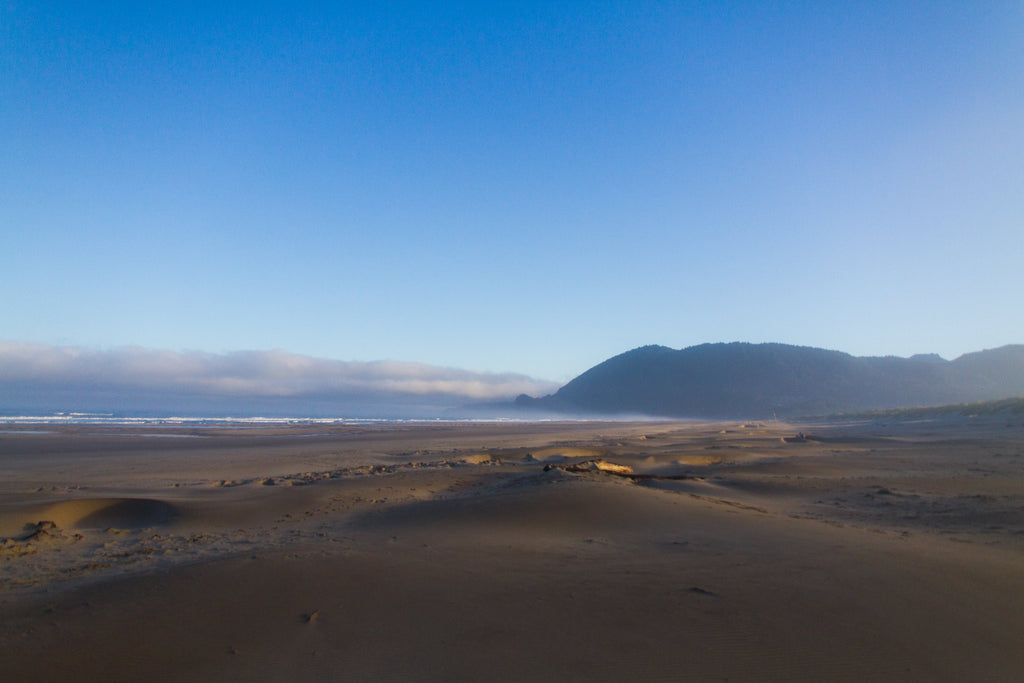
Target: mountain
x: 741, y: 380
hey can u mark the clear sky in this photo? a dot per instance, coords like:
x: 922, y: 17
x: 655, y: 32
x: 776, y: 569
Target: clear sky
x: 522, y: 187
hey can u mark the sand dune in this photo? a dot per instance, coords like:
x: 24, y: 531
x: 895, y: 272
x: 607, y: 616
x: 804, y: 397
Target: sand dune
x: 506, y: 552
x: 92, y: 513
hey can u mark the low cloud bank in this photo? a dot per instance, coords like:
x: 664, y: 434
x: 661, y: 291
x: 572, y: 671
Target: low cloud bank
x: 36, y: 369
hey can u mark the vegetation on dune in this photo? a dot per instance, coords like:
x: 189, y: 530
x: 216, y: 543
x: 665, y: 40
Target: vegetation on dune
x: 1004, y: 406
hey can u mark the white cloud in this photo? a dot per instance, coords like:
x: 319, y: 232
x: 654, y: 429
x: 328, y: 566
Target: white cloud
x: 249, y: 373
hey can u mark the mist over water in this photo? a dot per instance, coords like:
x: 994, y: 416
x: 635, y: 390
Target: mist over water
x: 43, y: 380
x: 211, y: 421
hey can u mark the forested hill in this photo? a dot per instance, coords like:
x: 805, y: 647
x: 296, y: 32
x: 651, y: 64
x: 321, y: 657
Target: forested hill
x: 761, y: 380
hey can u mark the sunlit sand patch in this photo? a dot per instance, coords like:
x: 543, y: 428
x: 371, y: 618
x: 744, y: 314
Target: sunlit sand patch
x: 699, y: 460
x: 565, y: 453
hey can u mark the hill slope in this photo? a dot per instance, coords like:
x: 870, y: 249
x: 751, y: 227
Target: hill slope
x: 761, y: 380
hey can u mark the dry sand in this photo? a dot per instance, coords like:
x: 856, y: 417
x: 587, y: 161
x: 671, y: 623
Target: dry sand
x: 551, y: 551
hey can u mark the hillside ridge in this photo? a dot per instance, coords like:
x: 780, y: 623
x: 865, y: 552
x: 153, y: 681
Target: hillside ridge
x: 742, y: 379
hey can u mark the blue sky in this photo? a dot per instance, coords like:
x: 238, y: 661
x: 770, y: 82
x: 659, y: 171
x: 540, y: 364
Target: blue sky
x: 520, y: 187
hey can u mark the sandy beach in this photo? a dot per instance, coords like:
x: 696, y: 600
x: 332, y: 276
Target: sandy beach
x: 872, y: 550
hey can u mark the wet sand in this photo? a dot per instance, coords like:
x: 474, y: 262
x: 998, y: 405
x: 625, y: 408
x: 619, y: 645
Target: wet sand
x: 874, y: 550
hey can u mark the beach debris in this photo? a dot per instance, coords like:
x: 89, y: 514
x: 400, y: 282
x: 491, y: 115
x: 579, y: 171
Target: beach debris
x: 34, y: 537
x: 38, y: 530
x: 799, y: 438
x: 599, y: 466
x: 614, y: 469
x: 480, y: 459
x: 592, y: 466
